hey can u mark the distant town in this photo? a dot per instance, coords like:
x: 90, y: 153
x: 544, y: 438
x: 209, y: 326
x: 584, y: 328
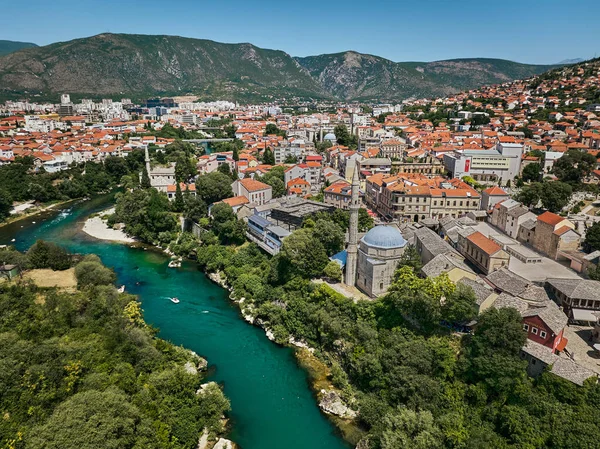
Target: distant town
x: 494, y: 189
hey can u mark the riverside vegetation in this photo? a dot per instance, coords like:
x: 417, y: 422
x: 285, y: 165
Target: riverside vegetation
x: 20, y: 181
x: 81, y: 369
x: 414, y: 383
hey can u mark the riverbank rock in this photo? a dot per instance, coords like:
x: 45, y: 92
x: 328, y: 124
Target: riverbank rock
x: 217, y: 279
x: 202, y: 364
x: 301, y: 344
x: 363, y: 444
x: 247, y: 314
x: 332, y: 403
x: 270, y: 335
x: 222, y: 443
x: 190, y: 368
x: 205, y: 386
x: 203, y: 441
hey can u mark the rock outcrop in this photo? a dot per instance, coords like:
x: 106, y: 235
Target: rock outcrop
x: 222, y: 443
x: 332, y: 403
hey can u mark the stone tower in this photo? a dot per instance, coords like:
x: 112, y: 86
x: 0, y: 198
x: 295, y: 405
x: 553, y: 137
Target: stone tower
x: 352, y: 251
x: 147, y: 160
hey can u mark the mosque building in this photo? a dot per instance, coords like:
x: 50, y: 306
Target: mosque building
x: 372, y: 261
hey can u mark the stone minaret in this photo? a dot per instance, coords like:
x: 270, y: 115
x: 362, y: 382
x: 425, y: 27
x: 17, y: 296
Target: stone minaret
x: 147, y: 159
x: 351, y: 260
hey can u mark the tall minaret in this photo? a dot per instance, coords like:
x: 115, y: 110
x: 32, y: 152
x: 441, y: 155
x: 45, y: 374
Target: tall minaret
x: 351, y: 260
x: 147, y: 159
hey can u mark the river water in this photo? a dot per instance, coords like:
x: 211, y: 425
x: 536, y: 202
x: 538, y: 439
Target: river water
x: 272, y: 405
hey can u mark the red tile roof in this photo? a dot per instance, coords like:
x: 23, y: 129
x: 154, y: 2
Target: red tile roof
x: 550, y: 218
x: 485, y: 244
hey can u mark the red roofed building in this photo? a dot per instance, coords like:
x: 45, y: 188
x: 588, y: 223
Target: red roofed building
x: 298, y: 186
x: 483, y: 252
x: 257, y: 192
x: 338, y: 194
x: 492, y: 196
x: 172, y: 189
x: 236, y: 202
x: 554, y: 233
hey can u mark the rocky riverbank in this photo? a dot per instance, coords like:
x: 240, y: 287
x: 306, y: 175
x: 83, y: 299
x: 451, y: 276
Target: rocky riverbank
x: 330, y: 400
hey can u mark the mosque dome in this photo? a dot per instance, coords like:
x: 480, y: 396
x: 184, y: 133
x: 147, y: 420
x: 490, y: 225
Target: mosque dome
x: 384, y: 237
x: 330, y: 136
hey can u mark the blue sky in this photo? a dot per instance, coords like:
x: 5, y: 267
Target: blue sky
x: 534, y: 31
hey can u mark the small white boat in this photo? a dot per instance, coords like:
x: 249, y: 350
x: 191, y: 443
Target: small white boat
x: 174, y: 264
x: 175, y: 300
x: 121, y: 289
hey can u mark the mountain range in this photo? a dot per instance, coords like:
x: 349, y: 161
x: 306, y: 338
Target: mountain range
x: 139, y: 66
x: 7, y: 47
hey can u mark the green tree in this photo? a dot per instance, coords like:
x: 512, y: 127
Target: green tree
x: 411, y: 257
x: 530, y: 195
x: 592, y: 238
x: 333, y: 271
x: 213, y: 187
x: 574, y: 166
x: 268, y: 157
x: 226, y: 226
x: 5, y: 205
x: 48, y: 255
x: 194, y: 208
x: 116, y: 167
x: 407, y: 429
x: 460, y: 306
x: 342, y: 135
x: 89, y: 273
x: 178, y: 203
x: 330, y: 235
x: 555, y: 195
x: 112, y: 423
x: 304, y: 254
x: 145, y: 181
x: 532, y: 172
x: 594, y: 272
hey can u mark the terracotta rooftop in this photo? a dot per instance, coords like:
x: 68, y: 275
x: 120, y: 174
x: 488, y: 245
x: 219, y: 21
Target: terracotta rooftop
x: 482, y: 242
x: 550, y: 218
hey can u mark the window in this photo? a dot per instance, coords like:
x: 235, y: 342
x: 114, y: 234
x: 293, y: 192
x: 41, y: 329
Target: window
x: 454, y: 203
x: 542, y: 334
x: 534, y: 330
x: 526, y: 327
x: 381, y: 286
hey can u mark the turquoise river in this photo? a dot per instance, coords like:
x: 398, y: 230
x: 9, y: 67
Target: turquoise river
x: 272, y: 405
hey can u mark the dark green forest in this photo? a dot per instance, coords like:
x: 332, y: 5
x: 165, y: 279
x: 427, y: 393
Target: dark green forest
x: 81, y: 369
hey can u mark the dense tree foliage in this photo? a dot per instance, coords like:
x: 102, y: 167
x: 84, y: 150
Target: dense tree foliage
x: 213, y: 187
x: 574, y: 166
x: 553, y: 195
x: 48, y: 255
x: 344, y: 137
x: 272, y: 129
x: 145, y: 213
x: 20, y: 181
x: 81, y: 370
x: 532, y: 172
x: 275, y: 178
x: 416, y: 384
x: 592, y: 238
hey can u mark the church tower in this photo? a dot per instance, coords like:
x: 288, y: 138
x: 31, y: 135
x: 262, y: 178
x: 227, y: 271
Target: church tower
x: 352, y: 251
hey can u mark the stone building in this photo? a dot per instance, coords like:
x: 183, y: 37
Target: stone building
x: 257, y: 192
x: 554, y: 233
x: 492, y: 196
x: 378, y: 254
x: 483, y: 252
